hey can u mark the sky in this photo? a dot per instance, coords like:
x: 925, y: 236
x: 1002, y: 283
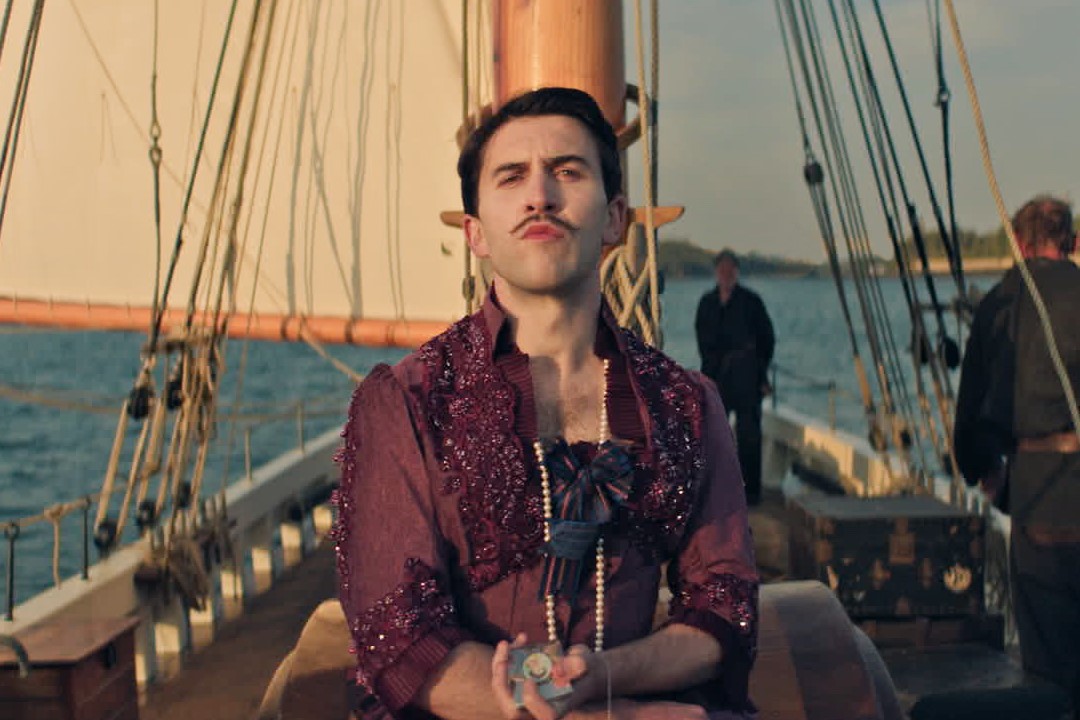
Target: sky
x: 730, y: 148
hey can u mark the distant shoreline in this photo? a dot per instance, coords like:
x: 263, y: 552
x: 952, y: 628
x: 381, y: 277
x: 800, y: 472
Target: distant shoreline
x: 679, y: 259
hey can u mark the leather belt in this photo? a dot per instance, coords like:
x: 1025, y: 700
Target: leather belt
x: 1043, y: 535
x: 1063, y: 442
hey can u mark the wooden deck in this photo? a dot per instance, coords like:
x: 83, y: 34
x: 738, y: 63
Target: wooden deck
x: 227, y: 679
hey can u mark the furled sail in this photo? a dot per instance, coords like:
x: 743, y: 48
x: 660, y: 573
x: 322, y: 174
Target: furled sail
x: 352, y: 119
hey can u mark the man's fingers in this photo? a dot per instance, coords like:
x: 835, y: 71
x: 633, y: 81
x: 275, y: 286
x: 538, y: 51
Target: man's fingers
x: 500, y: 687
x: 537, y: 706
x: 669, y: 711
x: 569, y: 668
x: 520, y: 640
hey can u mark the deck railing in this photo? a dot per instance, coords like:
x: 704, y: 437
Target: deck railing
x: 274, y: 518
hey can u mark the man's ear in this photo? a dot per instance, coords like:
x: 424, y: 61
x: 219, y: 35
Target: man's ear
x: 616, y: 221
x: 474, y: 235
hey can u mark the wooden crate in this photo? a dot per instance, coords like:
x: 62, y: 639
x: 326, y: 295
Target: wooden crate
x: 81, y: 670
x: 890, y: 557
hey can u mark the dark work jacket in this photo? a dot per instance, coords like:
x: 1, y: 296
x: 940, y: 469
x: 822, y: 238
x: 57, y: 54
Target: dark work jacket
x: 736, y: 344
x: 1009, y: 390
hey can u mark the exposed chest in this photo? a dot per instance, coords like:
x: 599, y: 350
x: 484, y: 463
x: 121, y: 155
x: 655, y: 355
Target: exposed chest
x: 571, y: 408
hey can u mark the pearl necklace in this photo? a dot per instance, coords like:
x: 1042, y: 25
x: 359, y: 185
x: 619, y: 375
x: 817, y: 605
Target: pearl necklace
x: 545, y: 479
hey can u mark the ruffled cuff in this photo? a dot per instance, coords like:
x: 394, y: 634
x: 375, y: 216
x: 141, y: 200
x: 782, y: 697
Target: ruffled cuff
x: 726, y: 607
x: 398, y: 683
x: 736, y: 656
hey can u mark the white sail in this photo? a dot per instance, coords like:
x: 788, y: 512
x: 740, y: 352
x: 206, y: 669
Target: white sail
x: 353, y: 155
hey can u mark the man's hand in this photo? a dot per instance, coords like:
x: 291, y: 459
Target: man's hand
x: 630, y: 710
x: 993, y: 483
x: 565, y: 671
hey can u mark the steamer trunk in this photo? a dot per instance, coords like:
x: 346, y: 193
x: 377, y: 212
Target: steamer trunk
x: 890, y: 557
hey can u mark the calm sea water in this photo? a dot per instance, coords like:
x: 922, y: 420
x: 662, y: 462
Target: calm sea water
x: 49, y: 455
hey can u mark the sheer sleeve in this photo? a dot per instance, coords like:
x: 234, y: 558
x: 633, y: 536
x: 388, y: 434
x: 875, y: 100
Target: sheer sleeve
x: 713, y: 579
x: 392, y: 574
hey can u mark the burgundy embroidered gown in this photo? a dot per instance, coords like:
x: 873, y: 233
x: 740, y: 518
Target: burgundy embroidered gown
x: 439, y: 531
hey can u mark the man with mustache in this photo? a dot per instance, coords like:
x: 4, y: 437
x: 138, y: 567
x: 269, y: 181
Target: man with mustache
x: 518, y: 483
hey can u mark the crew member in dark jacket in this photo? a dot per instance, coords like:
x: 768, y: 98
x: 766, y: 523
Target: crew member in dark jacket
x: 1014, y: 434
x: 735, y: 339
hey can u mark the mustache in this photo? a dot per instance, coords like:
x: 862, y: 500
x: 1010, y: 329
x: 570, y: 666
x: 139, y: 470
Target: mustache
x: 544, y: 217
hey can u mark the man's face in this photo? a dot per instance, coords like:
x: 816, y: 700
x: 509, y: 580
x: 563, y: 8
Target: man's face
x: 727, y: 273
x: 543, y: 217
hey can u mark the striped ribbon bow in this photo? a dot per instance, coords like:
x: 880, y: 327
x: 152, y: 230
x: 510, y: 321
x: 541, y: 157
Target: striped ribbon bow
x: 584, y: 497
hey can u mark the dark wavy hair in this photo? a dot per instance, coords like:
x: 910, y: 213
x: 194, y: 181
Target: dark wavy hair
x: 545, y: 101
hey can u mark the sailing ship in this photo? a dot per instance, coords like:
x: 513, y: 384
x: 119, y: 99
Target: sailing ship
x: 283, y: 171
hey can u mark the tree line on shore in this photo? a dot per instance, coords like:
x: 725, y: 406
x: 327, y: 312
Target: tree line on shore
x: 681, y: 258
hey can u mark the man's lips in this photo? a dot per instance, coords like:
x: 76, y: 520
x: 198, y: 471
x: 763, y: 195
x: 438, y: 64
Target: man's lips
x: 543, y: 231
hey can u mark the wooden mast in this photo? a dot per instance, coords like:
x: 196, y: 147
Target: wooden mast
x: 567, y: 43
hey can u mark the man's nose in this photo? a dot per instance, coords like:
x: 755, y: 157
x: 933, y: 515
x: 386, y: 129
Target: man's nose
x: 542, y: 195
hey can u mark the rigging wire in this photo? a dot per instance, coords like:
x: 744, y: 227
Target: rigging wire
x: 205, y: 371
x: 948, y: 241
x: 861, y: 239
x: 396, y: 67
x: 645, y: 108
x: 881, y: 362
x: 359, y: 162
x: 814, y: 175
x: 317, y: 175
x: 999, y: 202
x: 85, y: 29
x: 468, y: 286
x: 155, y: 162
x: 298, y: 147
x: 292, y: 22
x: 622, y: 273
x: 96, y: 404
x: 882, y: 176
x: 875, y: 102
x: 4, y: 25
x: 891, y: 160
x: 881, y: 173
x: 942, y: 100
x: 163, y: 301
x: 14, y: 126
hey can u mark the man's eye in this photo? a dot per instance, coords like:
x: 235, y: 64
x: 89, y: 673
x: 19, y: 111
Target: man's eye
x: 509, y: 179
x: 567, y: 172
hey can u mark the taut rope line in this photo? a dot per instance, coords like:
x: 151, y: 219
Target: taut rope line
x: 999, y: 202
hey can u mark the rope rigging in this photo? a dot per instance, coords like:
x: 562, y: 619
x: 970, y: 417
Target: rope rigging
x: 193, y: 383
x: 999, y: 202
x: 624, y: 276
x: 947, y: 355
x: 942, y: 100
x: 155, y: 163
x: 13, y: 129
x: 814, y: 176
x: 946, y: 346
x: 949, y: 239
x: 936, y: 417
x: 885, y: 365
x: 882, y: 178
x: 4, y: 25
x: 162, y: 300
